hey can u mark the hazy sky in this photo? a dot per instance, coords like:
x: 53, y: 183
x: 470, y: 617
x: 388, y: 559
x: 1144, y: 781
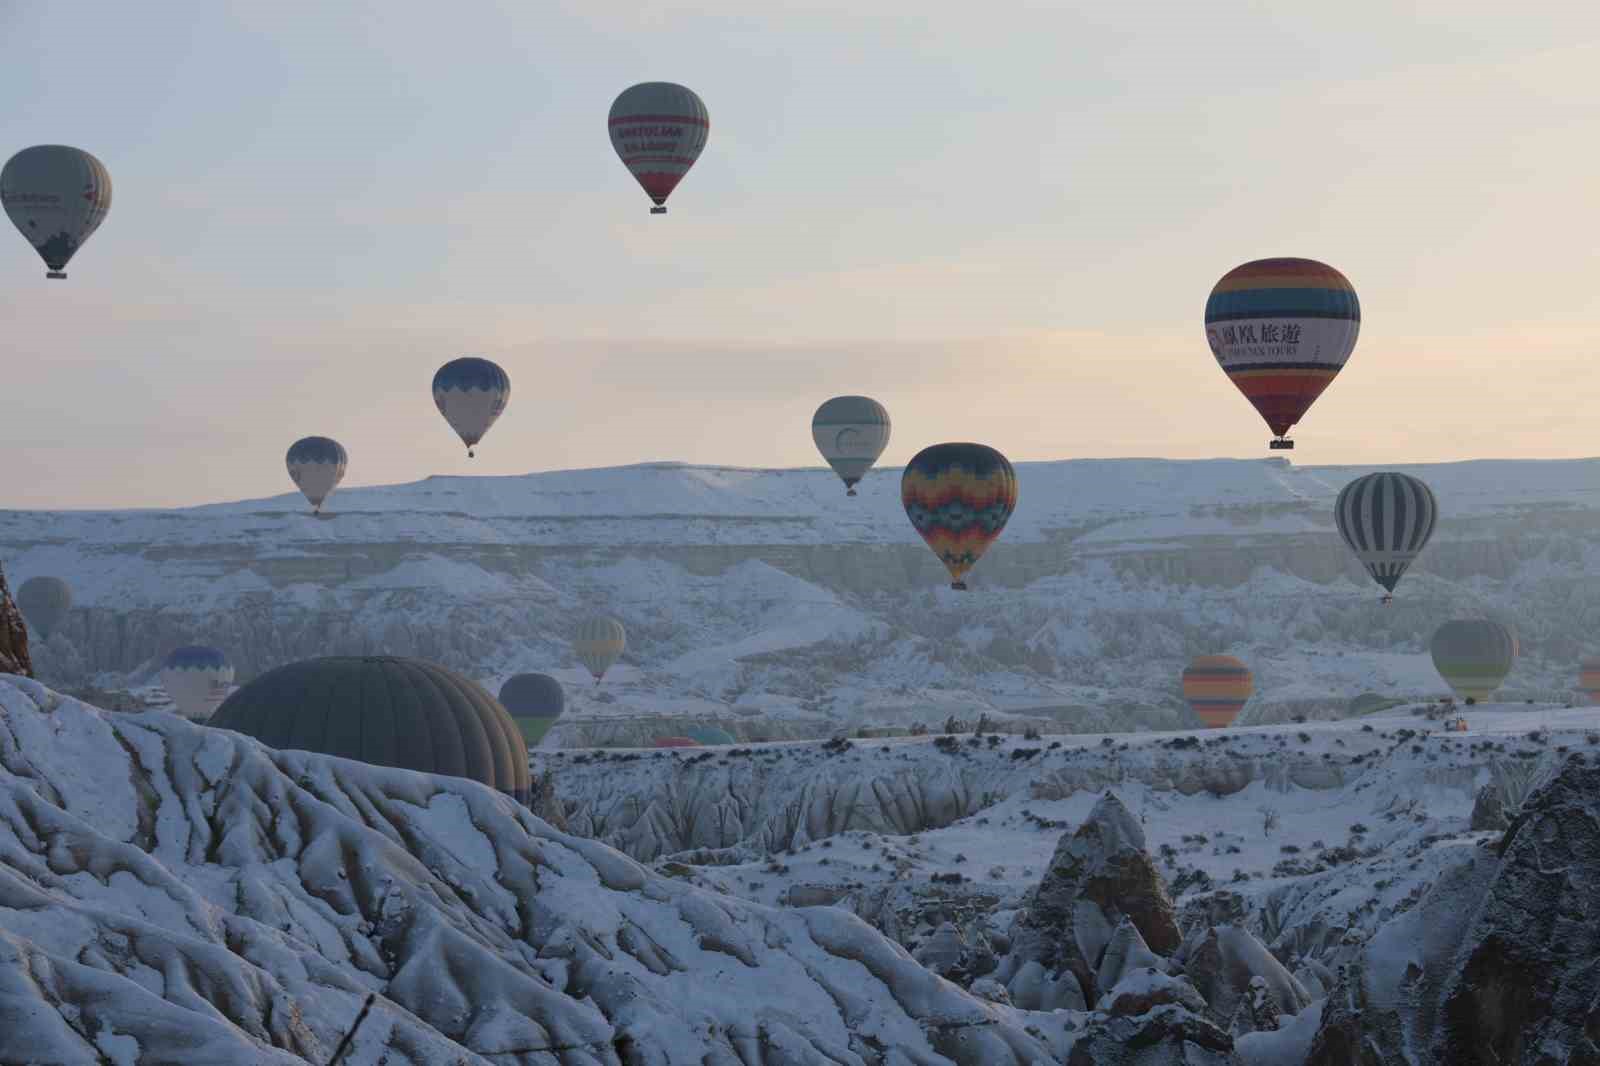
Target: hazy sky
x: 1001, y: 219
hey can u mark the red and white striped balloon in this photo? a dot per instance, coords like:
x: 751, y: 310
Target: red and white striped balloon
x: 659, y: 130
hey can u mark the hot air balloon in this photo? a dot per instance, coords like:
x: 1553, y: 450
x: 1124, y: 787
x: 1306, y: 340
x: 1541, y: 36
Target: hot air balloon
x: 470, y: 393
x: 709, y: 734
x: 959, y: 497
x: 676, y: 742
x: 57, y: 197
x: 1474, y: 656
x: 1217, y: 688
x: 599, y: 643
x: 197, y: 678
x: 387, y: 711
x: 658, y: 130
x: 851, y: 432
x: 1387, y: 520
x: 317, y: 466
x: 534, y: 702
x: 1589, y: 680
x: 44, y: 602
x: 1281, y: 329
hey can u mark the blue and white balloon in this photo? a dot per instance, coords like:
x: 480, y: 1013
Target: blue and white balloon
x: 317, y: 466
x: 198, y: 679
x: 470, y: 393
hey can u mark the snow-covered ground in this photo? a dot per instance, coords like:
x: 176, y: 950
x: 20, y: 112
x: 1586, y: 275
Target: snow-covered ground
x: 769, y: 602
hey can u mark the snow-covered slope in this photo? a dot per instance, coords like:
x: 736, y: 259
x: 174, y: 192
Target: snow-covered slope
x: 172, y: 893
x: 754, y: 596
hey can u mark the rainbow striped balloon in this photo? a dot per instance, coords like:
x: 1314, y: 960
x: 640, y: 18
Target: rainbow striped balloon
x: 1281, y: 329
x: 959, y: 497
x: 1217, y: 688
x: 1589, y: 680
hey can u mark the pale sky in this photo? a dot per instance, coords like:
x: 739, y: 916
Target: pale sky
x: 1000, y: 219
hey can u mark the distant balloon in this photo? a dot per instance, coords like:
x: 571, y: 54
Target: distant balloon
x: 1474, y: 656
x: 1369, y: 703
x: 534, y: 702
x: 57, y: 197
x: 1387, y: 520
x: 709, y: 735
x: 959, y: 497
x: 676, y: 742
x: 1217, y: 688
x: 198, y: 679
x: 470, y: 393
x: 1281, y: 329
x: 1589, y: 680
x: 317, y: 466
x: 599, y: 643
x: 44, y: 602
x: 658, y: 130
x: 851, y: 432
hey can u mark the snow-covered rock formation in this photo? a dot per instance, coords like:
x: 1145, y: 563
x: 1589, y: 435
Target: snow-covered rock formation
x: 175, y: 893
x: 13, y: 634
x: 752, y: 596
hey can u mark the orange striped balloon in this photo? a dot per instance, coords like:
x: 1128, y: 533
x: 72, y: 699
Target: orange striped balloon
x: 1589, y: 680
x: 1217, y: 688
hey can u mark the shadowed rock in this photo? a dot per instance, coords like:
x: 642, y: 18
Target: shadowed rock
x: 13, y: 635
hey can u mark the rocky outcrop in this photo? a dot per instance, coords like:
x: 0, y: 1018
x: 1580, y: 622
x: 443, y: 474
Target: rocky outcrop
x: 1098, y: 875
x: 1226, y: 961
x: 1527, y: 982
x: 1488, y: 810
x: 13, y: 635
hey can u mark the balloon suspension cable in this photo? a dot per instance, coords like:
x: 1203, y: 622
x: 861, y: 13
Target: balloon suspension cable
x: 959, y: 586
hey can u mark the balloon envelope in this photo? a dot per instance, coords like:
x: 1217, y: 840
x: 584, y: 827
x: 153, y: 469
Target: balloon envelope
x: 198, y: 678
x: 599, y: 643
x: 57, y: 197
x: 658, y: 130
x: 1589, y: 680
x: 1474, y: 656
x: 44, y: 603
x: 387, y: 711
x: 471, y: 393
x: 1281, y: 329
x: 1386, y: 519
x: 317, y: 466
x: 1217, y: 688
x: 851, y: 432
x: 959, y: 497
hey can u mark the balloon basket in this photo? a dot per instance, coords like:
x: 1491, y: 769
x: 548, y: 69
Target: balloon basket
x: 1387, y: 600
x: 850, y: 492
x: 658, y: 210
x: 57, y: 274
x: 959, y: 586
x: 1282, y: 444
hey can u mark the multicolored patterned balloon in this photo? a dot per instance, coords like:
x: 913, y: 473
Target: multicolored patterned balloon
x: 1474, y: 656
x: 1281, y: 329
x: 1217, y: 688
x: 1386, y: 519
x: 1589, y: 680
x: 57, y: 197
x: 658, y: 130
x: 959, y: 497
x: 471, y: 393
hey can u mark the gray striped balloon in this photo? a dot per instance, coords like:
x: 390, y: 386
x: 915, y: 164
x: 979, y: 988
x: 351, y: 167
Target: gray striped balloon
x: 599, y: 643
x: 1386, y: 519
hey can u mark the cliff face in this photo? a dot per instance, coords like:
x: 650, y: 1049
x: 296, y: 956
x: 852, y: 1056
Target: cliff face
x: 13, y: 635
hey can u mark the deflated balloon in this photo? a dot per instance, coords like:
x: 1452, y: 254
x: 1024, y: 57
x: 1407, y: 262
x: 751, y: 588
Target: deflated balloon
x: 471, y: 393
x: 1281, y: 329
x: 317, y: 466
x: 599, y: 643
x: 658, y: 130
x: 57, y: 197
x: 851, y: 432
x: 198, y: 678
x: 44, y: 602
x: 959, y: 497
x: 1386, y: 519
x: 1217, y: 688
x: 1474, y: 656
